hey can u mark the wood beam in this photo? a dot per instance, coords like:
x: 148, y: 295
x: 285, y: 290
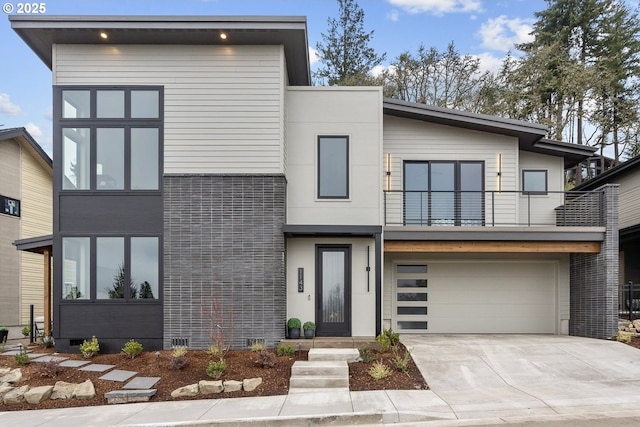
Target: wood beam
x: 47, y: 292
x: 492, y: 247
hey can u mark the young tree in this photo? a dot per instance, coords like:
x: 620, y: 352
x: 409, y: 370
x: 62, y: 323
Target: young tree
x: 345, y: 54
x: 119, y: 283
x: 145, y: 291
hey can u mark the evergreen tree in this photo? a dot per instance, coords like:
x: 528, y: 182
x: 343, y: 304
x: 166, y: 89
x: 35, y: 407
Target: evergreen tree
x: 145, y: 290
x: 119, y: 282
x: 345, y: 54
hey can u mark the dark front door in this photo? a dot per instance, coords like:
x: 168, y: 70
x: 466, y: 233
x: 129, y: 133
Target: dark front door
x: 333, y: 291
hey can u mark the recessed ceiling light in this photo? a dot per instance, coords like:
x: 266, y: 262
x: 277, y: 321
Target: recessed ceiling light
x: 104, y: 35
x: 223, y: 36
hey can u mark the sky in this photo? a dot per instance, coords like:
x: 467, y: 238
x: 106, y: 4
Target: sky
x: 487, y: 29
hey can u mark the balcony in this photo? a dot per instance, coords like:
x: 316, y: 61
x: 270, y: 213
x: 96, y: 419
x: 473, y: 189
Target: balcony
x: 493, y: 209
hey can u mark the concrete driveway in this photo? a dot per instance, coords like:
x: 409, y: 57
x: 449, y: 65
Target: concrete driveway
x: 482, y: 376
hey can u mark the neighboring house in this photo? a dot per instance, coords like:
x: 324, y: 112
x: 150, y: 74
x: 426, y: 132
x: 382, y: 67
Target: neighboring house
x: 203, y: 186
x: 627, y: 176
x: 26, y: 200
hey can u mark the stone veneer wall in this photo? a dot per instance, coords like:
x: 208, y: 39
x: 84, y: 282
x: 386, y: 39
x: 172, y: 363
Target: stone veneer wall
x: 224, y: 265
x: 594, y: 278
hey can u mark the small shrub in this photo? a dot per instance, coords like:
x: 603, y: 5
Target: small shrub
x: 132, y: 349
x: 285, y: 350
x: 87, y: 348
x: 623, y: 337
x: 394, y: 337
x: 216, y: 350
x: 22, y: 358
x: 47, y: 341
x: 309, y: 326
x: 26, y: 331
x: 266, y: 359
x: 383, y: 341
x: 401, y: 363
x: 293, y: 323
x: 49, y: 369
x: 258, y: 347
x: 216, y: 369
x: 366, y: 354
x: 178, y: 358
x: 379, y: 370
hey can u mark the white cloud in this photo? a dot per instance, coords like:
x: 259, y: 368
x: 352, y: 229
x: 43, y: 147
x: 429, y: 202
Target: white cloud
x: 377, y: 70
x: 7, y: 107
x: 502, y: 34
x: 33, y: 129
x: 49, y: 113
x: 393, y: 16
x: 313, y: 56
x: 489, y: 62
x: 437, y: 7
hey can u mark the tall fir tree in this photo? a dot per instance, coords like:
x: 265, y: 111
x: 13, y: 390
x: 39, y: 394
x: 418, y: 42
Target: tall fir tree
x: 345, y: 52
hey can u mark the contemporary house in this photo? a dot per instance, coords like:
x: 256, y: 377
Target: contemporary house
x: 203, y: 186
x: 25, y: 212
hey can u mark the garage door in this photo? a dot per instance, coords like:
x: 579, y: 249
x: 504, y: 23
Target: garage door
x: 475, y: 297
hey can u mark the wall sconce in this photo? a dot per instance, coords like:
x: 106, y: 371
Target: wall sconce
x: 388, y: 171
x: 500, y: 172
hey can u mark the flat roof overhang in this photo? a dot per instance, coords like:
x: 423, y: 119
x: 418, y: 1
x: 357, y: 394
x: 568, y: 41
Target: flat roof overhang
x: 494, y: 239
x: 38, y: 245
x: 301, y: 230
x: 40, y: 33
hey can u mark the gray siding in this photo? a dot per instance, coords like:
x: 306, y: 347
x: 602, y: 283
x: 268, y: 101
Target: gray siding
x: 223, y: 104
x: 224, y: 259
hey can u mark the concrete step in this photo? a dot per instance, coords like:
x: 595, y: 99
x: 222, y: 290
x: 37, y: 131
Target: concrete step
x: 332, y: 354
x: 313, y: 381
x: 318, y: 390
x: 322, y: 368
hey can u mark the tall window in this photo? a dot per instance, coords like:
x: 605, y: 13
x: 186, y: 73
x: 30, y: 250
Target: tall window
x: 333, y: 167
x: 122, y: 268
x: 444, y: 193
x: 111, y: 138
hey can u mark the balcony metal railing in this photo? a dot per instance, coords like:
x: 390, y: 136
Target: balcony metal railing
x: 492, y: 208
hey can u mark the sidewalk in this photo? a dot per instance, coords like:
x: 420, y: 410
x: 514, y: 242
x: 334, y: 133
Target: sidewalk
x: 341, y: 408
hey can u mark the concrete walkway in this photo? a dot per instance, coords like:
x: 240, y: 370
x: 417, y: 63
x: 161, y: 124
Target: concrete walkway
x: 475, y: 380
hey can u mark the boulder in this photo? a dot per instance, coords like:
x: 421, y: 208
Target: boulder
x: 85, y: 390
x: 209, y: 387
x: 251, y: 384
x: 16, y: 395
x: 63, y: 390
x: 636, y: 324
x: 13, y: 376
x: 186, y: 391
x: 4, y: 371
x: 4, y: 389
x: 232, y: 385
x: 38, y: 394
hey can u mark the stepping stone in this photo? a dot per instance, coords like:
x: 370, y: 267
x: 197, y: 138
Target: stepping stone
x: 36, y: 355
x: 96, y: 367
x: 118, y: 375
x: 50, y: 359
x: 141, y: 383
x: 74, y: 363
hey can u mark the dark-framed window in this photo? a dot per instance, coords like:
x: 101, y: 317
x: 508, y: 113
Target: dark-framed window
x: 333, y: 167
x: 444, y: 193
x: 108, y: 268
x: 111, y: 137
x: 534, y: 181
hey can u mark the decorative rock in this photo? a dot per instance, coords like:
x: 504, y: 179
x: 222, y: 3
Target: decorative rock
x: 232, y: 385
x: 4, y: 389
x: 63, y: 391
x: 186, y: 391
x: 85, y: 390
x: 208, y: 387
x: 251, y: 384
x: 12, y: 376
x: 16, y: 395
x: 635, y: 324
x: 38, y: 394
x: 4, y: 371
x: 127, y: 396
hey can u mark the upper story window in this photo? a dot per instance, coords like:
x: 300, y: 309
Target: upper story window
x: 444, y: 193
x: 111, y: 137
x: 534, y: 181
x: 333, y: 167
